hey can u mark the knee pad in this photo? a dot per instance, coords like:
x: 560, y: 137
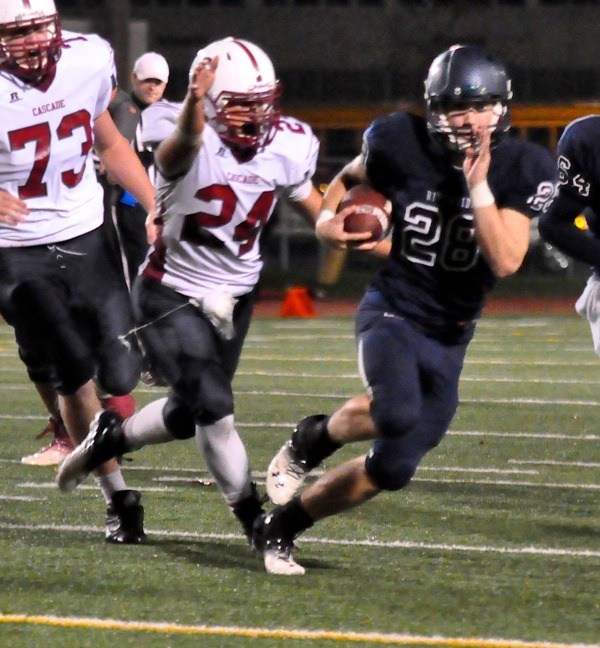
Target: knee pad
x: 389, y: 471
x: 41, y: 374
x: 119, y: 371
x: 38, y: 371
x: 70, y: 377
x: 179, y: 420
x: 211, y: 394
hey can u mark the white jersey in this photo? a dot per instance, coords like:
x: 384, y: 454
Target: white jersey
x: 158, y: 122
x: 46, y: 144
x: 214, y: 215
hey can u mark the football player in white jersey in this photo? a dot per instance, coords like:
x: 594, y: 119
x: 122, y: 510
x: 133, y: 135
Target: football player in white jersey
x: 57, y: 287
x: 227, y: 158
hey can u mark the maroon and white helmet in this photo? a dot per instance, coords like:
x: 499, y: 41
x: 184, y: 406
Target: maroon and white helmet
x: 242, y: 104
x: 24, y: 59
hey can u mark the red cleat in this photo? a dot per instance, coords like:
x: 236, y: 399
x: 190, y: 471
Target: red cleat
x: 54, y: 453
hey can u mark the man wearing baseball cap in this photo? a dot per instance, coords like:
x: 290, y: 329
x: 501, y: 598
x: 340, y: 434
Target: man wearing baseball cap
x: 149, y: 78
x: 125, y: 218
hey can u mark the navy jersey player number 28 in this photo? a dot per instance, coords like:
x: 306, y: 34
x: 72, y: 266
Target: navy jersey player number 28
x: 435, y: 270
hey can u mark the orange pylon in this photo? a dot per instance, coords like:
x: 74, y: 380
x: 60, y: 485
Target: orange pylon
x: 298, y: 303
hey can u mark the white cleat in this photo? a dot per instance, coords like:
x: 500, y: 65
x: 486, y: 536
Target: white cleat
x: 285, y: 475
x: 72, y: 470
x: 279, y: 561
x: 97, y: 447
x: 276, y: 550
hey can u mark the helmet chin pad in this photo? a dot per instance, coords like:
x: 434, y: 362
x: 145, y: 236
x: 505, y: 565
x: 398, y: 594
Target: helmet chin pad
x: 31, y: 62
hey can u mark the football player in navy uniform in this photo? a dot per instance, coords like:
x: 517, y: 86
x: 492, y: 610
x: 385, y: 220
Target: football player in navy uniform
x: 463, y: 195
x: 579, y: 193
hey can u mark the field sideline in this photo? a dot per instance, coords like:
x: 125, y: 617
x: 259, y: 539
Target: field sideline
x: 496, y: 544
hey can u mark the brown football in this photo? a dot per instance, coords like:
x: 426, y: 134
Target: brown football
x: 372, y: 213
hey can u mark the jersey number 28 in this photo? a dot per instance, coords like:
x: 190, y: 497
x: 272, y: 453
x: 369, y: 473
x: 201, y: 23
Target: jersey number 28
x: 421, y: 236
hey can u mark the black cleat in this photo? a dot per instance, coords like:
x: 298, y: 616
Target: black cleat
x: 104, y: 441
x: 125, y: 518
x: 275, y: 548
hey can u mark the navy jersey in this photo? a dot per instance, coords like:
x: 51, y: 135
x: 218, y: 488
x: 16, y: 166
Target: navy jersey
x: 579, y: 162
x: 435, y: 274
x: 578, y: 192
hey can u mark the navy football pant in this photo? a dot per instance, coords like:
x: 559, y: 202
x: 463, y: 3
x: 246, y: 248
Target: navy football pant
x: 69, y: 305
x: 413, y: 381
x: 185, y: 347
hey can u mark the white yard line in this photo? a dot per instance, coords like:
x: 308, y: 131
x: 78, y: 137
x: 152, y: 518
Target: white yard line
x: 381, y: 544
x: 546, y: 462
x: 269, y: 425
x: 346, y: 395
x: 21, y: 498
x: 355, y: 376
x: 427, y: 480
x: 84, y: 487
x: 352, y: 359
x: 475, y: 361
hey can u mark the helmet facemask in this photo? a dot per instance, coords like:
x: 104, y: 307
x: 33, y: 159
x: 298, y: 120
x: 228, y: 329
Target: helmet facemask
x: 28, y: 59
x: 245, y: 122
x: 460, y: 138
x: 242, y: 105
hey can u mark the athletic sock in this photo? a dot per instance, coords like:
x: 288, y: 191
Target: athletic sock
x: 311, y: 440
x: 147, y: 427
x: 289, y: 520
x: 110, y: 484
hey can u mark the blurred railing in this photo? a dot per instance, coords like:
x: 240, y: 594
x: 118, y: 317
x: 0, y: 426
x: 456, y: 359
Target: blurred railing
x: 340, y: 128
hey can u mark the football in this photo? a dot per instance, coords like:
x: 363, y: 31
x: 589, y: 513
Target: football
x: 372, y: 213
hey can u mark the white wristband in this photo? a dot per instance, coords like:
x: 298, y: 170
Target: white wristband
x: 190, y: 139
x: 325, y: 216
x: 481, y: 196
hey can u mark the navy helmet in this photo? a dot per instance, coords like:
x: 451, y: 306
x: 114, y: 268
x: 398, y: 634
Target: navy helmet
x: 465, y: 76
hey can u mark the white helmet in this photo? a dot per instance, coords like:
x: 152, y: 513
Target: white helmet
x: 39, y: 15
x: 242, y: 104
